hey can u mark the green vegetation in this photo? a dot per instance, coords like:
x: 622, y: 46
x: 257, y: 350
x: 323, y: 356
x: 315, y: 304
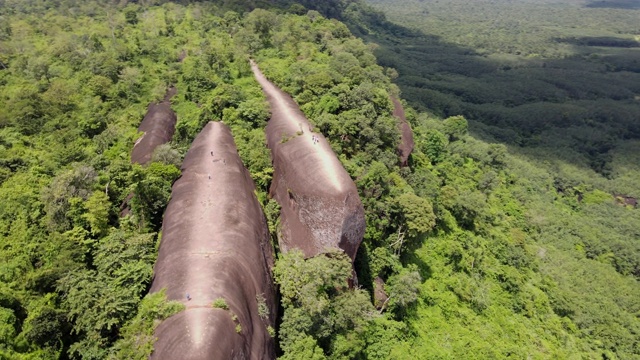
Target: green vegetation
x: 76, y: 80
x: 557, y: 78
x: 137, y: 336
x: 485, y: 249
x: 319, y: 309
x: 263, y: 308
x: 220, y: 303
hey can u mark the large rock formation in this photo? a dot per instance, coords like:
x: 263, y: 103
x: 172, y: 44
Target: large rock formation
x: 158, y: 127
x: 215, y: 245
x: 405, y: 147
x: 320, y: 205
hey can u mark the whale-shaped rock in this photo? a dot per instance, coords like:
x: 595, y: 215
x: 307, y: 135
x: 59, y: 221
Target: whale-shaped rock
x: 320, y: 206
x: 215, y: 245
x: 158, y: 126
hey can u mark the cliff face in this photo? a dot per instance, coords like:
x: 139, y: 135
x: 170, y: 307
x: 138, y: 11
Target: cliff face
x: 320, y: 205
x: 405, y: 147
x: 215, y: 245
x: 158, y: 127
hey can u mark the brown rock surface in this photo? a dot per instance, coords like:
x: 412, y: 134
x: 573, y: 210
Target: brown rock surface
x: 405, y: 147
x: 158, y: 127
x: 215, y: 244
x: 320, y: 205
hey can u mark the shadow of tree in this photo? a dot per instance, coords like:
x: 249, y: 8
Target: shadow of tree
x: 584, y: 100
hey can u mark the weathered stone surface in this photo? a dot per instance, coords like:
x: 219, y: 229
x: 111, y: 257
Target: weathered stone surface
x: 320, y: 205
x: 158, y: 127
x: 405, y: 147
x: 215, y: 244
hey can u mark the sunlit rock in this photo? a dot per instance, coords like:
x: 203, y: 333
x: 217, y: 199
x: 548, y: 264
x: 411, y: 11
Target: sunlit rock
x: 215, y: 245
x: 321, y: 208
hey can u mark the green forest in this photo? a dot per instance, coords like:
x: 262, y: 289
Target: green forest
x: 560, y: 77
x: 512, y: 233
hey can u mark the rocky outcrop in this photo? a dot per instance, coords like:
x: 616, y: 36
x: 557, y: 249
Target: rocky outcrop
x: 320, y: 206
x: 158, y: 127
x: 405, y: 147
x: 215, y: 245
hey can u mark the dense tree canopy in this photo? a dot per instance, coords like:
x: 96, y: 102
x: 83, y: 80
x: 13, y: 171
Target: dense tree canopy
x: 480, y: 248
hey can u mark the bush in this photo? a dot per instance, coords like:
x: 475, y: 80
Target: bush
x: 220, y: 303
